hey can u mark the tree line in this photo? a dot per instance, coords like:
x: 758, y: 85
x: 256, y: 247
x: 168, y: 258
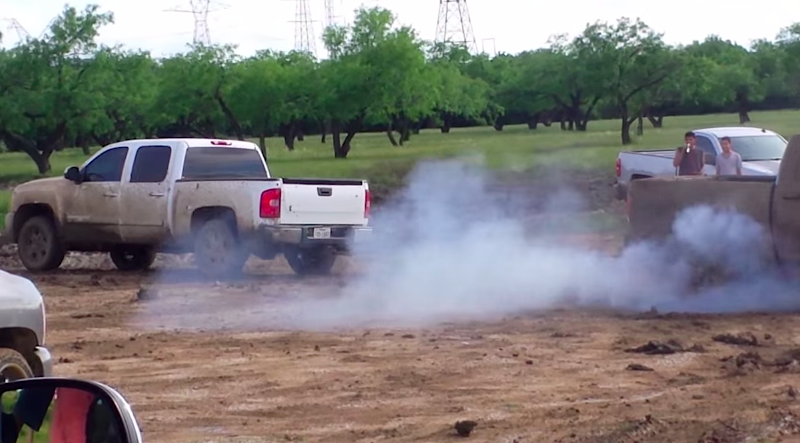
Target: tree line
x: 63, y: 89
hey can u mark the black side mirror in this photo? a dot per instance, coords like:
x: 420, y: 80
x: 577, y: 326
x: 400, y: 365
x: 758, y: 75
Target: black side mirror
x: 73, y: 174
x: 710, y: 160
x: 51, y: 409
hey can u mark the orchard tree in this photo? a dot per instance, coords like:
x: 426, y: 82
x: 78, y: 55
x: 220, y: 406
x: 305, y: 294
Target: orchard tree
x: 49, y: 88
x: 364, y: 78
x: 129, y: 83
x: 631, y: 59
x: 191, y: 87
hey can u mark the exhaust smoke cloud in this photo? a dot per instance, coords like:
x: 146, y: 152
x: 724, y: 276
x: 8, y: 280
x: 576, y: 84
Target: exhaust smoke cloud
x: 450, y: 247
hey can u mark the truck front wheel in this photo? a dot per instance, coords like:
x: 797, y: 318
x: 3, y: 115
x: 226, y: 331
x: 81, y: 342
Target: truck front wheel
x: 310, y: 261
x: 132, y: 258
x: 38, y: 244
x: 13, y: 366
x: 217, y: 252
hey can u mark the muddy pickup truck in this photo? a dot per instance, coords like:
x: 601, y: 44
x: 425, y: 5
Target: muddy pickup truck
x: 654, y: 203
x: 22, y: 330
x: 214, y: 198
x: 761, y: 152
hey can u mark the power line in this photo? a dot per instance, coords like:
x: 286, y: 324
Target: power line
x: 453, y: 25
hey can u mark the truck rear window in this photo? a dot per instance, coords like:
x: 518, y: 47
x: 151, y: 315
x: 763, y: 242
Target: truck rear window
x: 762, y: 147
x: 220, y: 163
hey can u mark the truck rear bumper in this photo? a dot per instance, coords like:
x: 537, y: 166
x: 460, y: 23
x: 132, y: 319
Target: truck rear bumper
x: 621, y: 191
x: 316, y: 235
x: 45, y: 359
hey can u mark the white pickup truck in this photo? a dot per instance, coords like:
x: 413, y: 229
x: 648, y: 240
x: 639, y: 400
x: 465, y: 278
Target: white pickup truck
x: 214, y: 198
x: 761, y: 152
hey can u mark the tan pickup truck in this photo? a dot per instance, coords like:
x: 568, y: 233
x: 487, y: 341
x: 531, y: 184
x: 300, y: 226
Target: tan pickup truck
x: 214, y: 198
x: 653, y: 203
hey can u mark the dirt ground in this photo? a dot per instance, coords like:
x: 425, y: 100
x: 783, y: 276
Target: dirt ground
x: 194, y: 373
x: 559, y: 376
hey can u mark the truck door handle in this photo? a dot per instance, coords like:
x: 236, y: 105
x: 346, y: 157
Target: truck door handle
x: 791, y: 197
x: 324, y: 192
x: 110, y: 194
x: 157, y: 194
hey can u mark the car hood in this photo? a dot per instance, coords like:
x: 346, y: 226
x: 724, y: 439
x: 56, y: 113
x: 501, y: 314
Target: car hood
x: 762, y: 167
x: 16, y: 290
x: 41, y: 185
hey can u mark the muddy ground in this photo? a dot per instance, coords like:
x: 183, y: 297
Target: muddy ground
x: 194, y: 374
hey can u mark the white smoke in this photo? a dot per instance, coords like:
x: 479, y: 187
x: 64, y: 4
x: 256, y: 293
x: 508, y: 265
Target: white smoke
x: 447, y: 250
x: 450, y: 248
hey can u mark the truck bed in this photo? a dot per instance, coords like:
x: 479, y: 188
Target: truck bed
x: 659, y: 200
x: 660, y: 153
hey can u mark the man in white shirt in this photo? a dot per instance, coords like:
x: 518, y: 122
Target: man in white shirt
x: 728, y: 162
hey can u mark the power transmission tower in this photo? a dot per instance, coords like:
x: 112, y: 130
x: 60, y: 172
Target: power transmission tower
x: 330, y: 16
x: 454, y: 25
x: 22, y: 34
x: 304, y: 39
x: 15, y: 26
x: 200, y: 11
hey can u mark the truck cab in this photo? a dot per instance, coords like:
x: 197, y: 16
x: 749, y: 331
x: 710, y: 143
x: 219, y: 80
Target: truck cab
x: 761, y: 151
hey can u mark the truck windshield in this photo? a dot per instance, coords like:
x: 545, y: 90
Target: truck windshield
x: 221, y: 163
x: 764, y: 147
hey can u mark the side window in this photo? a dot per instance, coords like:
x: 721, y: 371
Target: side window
x: 151, y: 164
x: 107, y: 167
x: 705, y: 144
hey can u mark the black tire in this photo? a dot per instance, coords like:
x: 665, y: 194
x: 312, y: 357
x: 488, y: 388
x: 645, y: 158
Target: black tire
x: 310, y: 261
x: 13, y: 366
x: 132, y: 258
x: 38, y: 245
x: 217, y: 252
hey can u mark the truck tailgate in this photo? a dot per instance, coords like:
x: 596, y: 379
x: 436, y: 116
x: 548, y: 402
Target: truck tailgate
x: 323, y: 202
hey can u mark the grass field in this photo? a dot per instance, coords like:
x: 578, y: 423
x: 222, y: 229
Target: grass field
x: 516, y: 148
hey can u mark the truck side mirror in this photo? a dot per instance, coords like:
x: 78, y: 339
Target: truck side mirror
x: 73, y: 174
x: 709, y: 160
x: 50, y: 409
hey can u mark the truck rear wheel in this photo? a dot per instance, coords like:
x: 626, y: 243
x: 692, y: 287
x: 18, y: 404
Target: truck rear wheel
x: 217, y: 251
x: 310, y: 261
x: 132, y: 258
x: 38, y: 244
x: 13, y: 366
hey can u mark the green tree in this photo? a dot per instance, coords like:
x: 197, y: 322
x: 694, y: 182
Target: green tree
x: 631, y: 59
x: 47, y: 85
x: 190, y: 98
x: 370, y: 59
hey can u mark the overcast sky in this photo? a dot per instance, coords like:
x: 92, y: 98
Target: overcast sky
x: 502, y: 25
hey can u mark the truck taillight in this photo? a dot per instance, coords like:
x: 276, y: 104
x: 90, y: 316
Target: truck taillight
x: 367, y: 203
x: 619, y: 168
x: 270, y: 203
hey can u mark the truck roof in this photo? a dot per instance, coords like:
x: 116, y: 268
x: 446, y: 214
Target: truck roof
x: 735, y: 131
x: 196, y: 142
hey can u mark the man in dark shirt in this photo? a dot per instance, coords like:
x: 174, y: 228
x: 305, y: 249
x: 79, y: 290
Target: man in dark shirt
x: 689, y: 159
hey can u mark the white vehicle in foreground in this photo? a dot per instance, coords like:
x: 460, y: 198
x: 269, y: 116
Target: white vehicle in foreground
x: 215, y: 198
x: 761, y: 152
x: 22, y: 330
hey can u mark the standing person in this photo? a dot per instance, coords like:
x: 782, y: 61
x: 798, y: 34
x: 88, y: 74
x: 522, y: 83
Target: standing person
x: 729, y: 162
x: 689, y: 158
